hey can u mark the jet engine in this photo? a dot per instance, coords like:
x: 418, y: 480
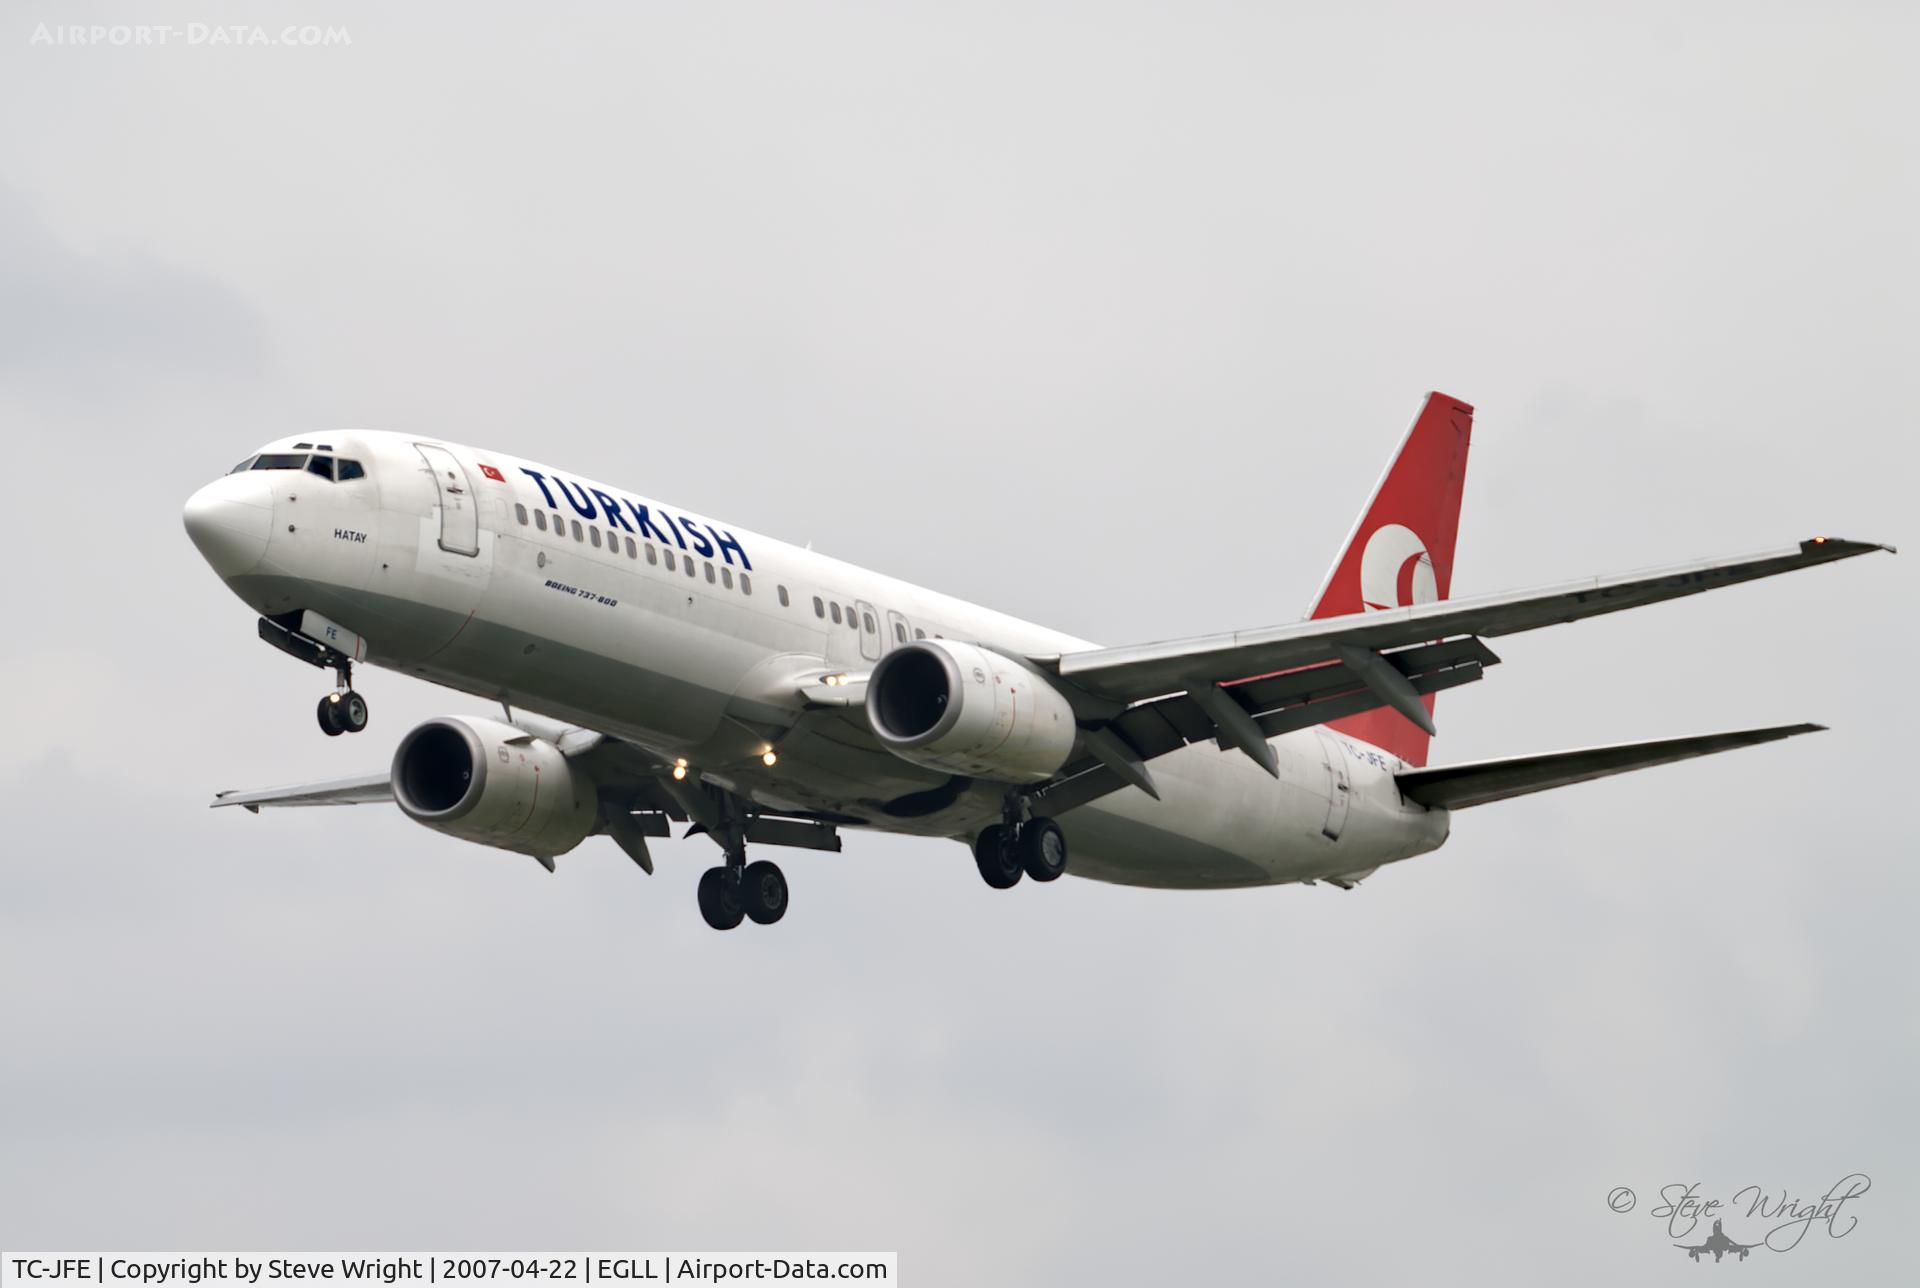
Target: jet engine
x: 967, y: 710
x: 485, y: 781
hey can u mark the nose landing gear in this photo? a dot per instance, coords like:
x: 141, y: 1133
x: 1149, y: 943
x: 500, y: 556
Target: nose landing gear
x: 342, y: 712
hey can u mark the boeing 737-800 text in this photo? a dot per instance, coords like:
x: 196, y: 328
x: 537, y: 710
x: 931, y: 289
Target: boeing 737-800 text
x: 657, y: 667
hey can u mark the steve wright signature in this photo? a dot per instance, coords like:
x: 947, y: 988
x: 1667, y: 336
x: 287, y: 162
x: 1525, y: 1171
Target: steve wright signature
x: 1785, y: 1217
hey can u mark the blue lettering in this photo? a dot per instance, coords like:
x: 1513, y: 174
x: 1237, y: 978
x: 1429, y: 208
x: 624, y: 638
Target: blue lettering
x: 678, y: 539
x: 646, y: 524
x: 541, y: 479
x: 610, y: 508
x: 730, y: 543
x: 700, y: 542
x: 583, y: 505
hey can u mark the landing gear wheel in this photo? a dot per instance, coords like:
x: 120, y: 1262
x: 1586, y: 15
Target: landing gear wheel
x: 329, y: 722
x: 343, y: 712
x: 720, y: 898
x: 1043, y: 850
x: 763, y: 892
x: 997, y: 858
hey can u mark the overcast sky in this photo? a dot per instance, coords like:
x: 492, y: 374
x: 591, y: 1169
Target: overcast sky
x: 1103, y: 315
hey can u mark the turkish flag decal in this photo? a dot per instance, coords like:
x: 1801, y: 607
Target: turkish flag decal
x: 493, y: 474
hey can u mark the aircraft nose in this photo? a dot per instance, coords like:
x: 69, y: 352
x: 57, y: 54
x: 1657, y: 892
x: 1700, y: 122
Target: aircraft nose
x: 229, y: 520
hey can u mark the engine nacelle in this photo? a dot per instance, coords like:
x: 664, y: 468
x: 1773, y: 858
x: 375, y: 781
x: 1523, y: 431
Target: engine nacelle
x: 968, y: 710
x: 485, y: 781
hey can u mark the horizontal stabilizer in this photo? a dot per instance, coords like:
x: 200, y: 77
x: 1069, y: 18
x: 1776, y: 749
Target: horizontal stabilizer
x: 1481, y: 781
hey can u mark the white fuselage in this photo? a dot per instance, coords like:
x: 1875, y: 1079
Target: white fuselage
x: 690, y: 638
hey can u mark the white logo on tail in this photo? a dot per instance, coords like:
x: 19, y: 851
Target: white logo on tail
x: 1395, y: 570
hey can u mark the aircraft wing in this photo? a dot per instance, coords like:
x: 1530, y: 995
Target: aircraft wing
x: 1482, y: 781
x: 368, y: 789
x: 1136, y: 672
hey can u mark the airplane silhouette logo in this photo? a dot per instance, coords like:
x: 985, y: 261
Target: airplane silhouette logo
x: 1718, y: 1244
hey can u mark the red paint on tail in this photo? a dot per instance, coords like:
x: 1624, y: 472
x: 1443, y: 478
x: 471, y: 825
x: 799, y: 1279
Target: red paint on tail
x: 1401, y: 551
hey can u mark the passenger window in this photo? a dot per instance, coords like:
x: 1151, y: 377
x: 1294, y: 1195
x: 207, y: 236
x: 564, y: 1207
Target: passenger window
x: 323, y: 466
x: 853, y: 622
x: 653, y: 556
x: 746, y: 584
x: 900, y: 632
x: 836, y: 614
x: 709, y: 568
x: 867, y: 618
x: 520, y: 513
x: 726, y: 577
x: 344, y: 470
x: 819, y: 609
x: 540, y: 520
x: 596, y: 537
x: 581, y: 536
x: 781, y: 591
x: 669, y: 557
x: 688, y: 565
x: 632, y: 551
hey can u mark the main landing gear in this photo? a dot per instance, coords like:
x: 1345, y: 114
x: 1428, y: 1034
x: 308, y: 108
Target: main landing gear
x: 736, y: 890
x: 1005, y: 852
x: 755, y: 892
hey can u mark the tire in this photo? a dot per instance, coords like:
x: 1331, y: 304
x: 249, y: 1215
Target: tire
x: 763, y: 892
x: 719, y: 896
x: 329, y: 721
x: 1043, y: 850
x: 996, y: 857
x: 352, y: 711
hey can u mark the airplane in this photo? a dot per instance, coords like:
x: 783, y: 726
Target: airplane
x: 1718, y: 1244
x: 656, y: 668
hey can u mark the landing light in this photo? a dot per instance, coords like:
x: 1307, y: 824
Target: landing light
x: 679, y: 770
x: 1819, y: 541
x: 768, y: 758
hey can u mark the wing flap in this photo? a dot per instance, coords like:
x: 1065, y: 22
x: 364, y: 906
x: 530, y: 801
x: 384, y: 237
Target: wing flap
x: 1484, y: 781
x: 1280, y: 704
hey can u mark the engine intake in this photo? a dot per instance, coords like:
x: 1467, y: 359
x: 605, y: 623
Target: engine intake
x: 494, y: 784
x: 962, y: 709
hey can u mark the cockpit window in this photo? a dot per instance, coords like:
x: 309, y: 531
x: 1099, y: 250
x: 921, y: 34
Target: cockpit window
x: 345, y: 469
x: 279, y: 460
x: 242, y: 467
x: 323, y: 466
